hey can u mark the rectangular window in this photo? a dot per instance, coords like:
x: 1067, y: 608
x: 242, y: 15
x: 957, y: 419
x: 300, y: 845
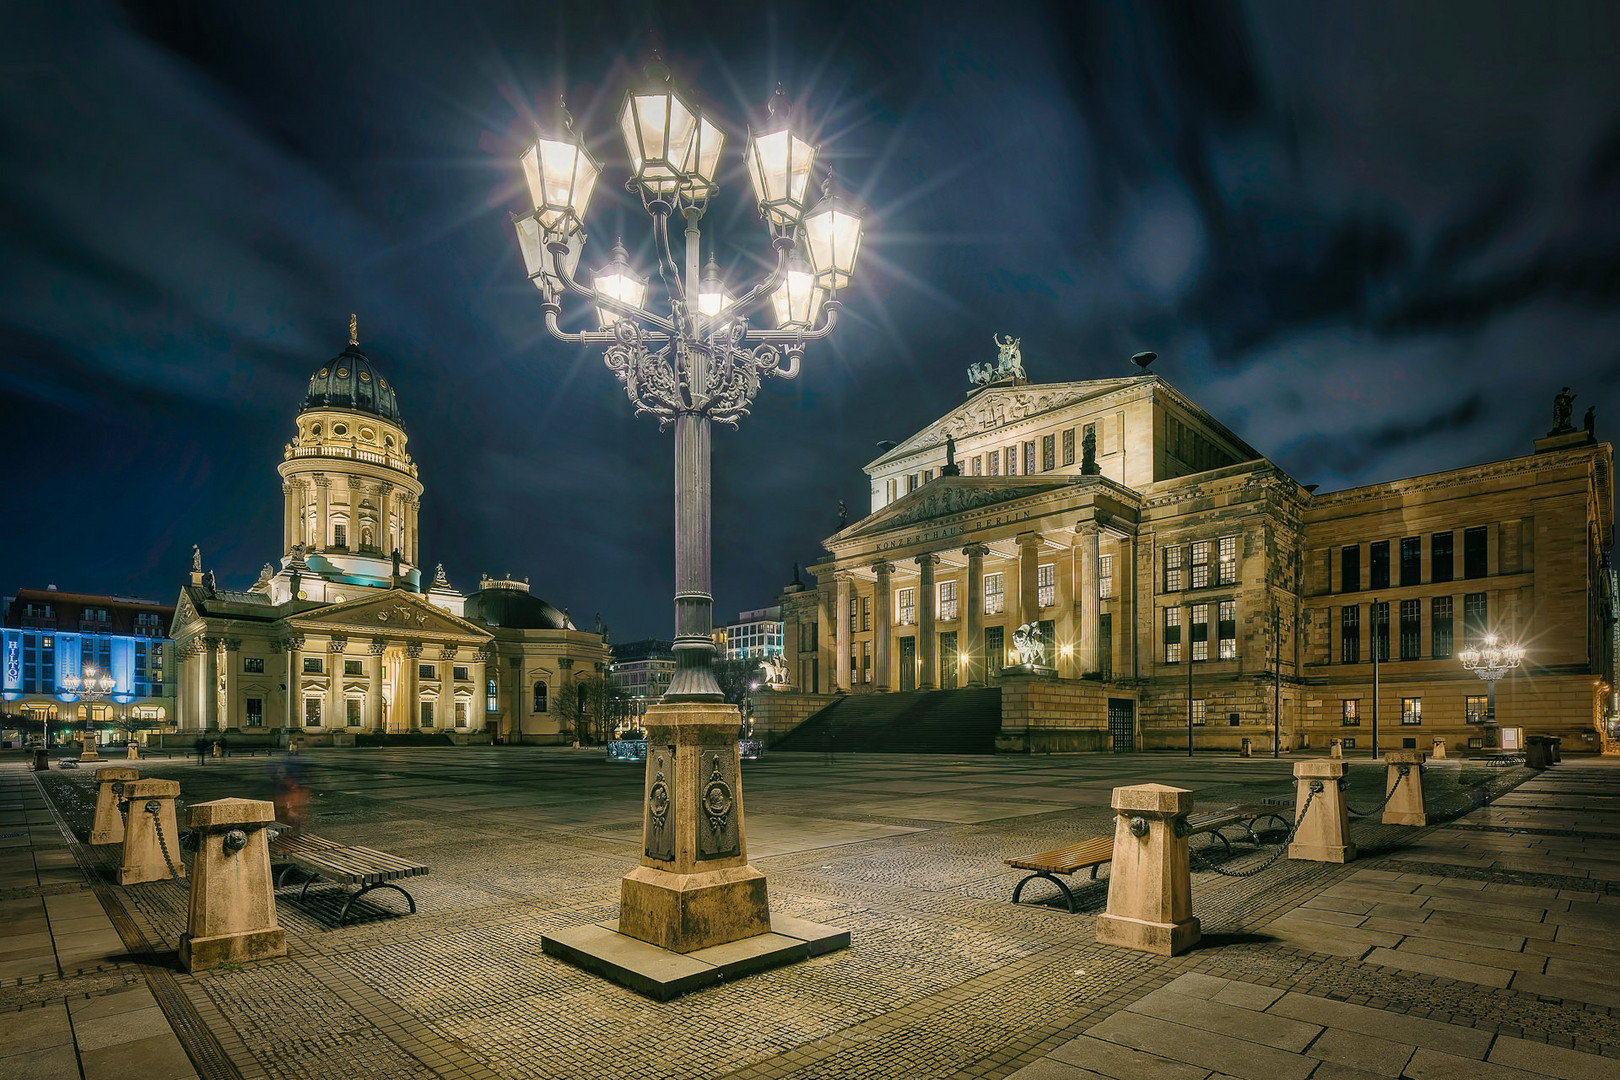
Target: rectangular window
x: 1440, y: 627
x: 351, y: 667
x: 1226, y: 629
x: 928, y: 474
x: 255, y: 712
x: 1381, y: 631
x: 1200, y: 564
x: 947, y: 601
x: 426, y: 671
x: 461, y: 714
x: 994, y: 600
x: 1226, y: 568
x: 995, y: 649
x: 994, y: 458
x: 1411, y: 629
x: 312, y: 665
x: 253, y: 665
x: 1029, y: 458
x: 1012, y: 460
x: 1440, y: 557
x: 340, y: 536
x: 1046, y: 585
x: 352, y: 711
x: 1068, y: 446
x: 866, y: 613
x: 1350, y: 568
x: 1350, y: 712
x: 1200, y: 631
x: 866, y: 661
x: 1105, y: 577
x: 1378, y: 565
x: 427, y: 714
x: 1411, y: 710
x: 978, y: 464
x: 1172, y: 568
x: 1412, y: 560
x: 854, y: 613
x: 1475, y: 709
x: 911, y: 483
x: 1474, y: 558
x: 1048, y: 452
x: 1475, y: 618
x: 460, y: 673
x: 312, y: 712
x: 1200, y: 712
x: 906, y: 607
x: 1350, y: 634
x: 1172, y: 635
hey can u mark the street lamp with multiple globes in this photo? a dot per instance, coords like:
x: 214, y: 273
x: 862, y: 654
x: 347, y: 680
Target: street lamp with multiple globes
x: 91, y: 686
x: 1490, y: 660
x: 701, y: 362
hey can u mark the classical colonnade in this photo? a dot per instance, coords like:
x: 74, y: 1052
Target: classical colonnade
x: 393, y: 517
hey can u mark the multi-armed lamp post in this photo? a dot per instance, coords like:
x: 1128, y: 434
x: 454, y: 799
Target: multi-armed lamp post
x: 1490, y: 660
x: 701, y: 361
x: 90, y: 687
x: 691, y: 362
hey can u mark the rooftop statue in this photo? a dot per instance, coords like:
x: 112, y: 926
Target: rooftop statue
x: 1009, y: 364
x: 1563, y: 408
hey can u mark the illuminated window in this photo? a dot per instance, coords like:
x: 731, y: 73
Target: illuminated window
x: 351, y: 667
x: 947, y: 601
x: 1381, y: 631
x: 1048, y: 452
x: 491, y: 699
x: 1200, y: 564
x: 426, y: 671
x: 1199, y: 712
x: 994, y: 458
x: 1226, y: 629
x: 1474, y: 617
x: 460, y: 673
x: 312, y: 712
x: 994, y: 600
x: 866, y: 613
x: 906, y: 607
x: 541, y: 699
x: 1440, y: 627
x: 978, y: 464
x: 253, y: 665
x: 1200, y: 631
x: 1411, y: 710
x: 1172, y: 568
x: 427, y: 714
x: 854, y: 613
x: 1226, y: 568
x: 461, y: 714
x: 340, y: 535
x: 1046, y: 585
x: 1475, y: 709
x: 1068, y: 446
x: 255, y: 712
x: 1350, y: 634
x: 1012, y: 460
x: 866, y: 661
x: 312, y: 665
x: 1350, y: 712
x: 1029, y: 458
x: 1172, y: 635
x: 995, y: 644
x: 352, y: 711
x: 1105, y: 577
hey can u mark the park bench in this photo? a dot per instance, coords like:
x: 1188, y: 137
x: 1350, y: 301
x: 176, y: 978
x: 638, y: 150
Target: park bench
x: 321, y: 858
x: 1065, y: 861
x: 1245, y: 816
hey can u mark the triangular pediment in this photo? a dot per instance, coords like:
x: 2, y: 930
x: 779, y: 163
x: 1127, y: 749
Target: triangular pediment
x: 947, y: 497
x: 185, y: 613
x: 996, y: 406
x: 394, y: 612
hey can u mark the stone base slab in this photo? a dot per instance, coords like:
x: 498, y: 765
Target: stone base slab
x: 206, y: 953
x: 687, y: 912
x: 1320, y: 853
x: 1163, y: 939
x: 662, y: 974
x: 1398, y: 817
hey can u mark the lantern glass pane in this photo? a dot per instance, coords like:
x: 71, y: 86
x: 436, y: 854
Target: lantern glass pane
x: 798, y: 299
x: 703, y: 158
x: 711, y: 299
x: 779, y: 166
x: 617, y: 283
x: 658, y: 133
x: 833, y: 236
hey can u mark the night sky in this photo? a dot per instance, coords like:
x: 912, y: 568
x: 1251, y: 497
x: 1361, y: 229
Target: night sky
x: 1373, y: 239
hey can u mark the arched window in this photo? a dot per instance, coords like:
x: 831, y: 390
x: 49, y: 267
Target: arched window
x: 540, y: 697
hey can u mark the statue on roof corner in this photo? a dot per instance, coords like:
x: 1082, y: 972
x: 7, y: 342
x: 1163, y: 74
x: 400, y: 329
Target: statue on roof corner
x: 196, y: 559
x: 1563, y: 408
x: 1009, y: 364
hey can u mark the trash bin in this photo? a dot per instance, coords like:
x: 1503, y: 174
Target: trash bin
x: 42, y: 760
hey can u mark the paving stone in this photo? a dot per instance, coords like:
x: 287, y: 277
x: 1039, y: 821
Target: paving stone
x: 160, y: 1057
x: 1555, y: 986
x: 1552, y: 1060
x: 1365, y: 1052
x: 53, y: 1063
x: 1367, y: 1021
x: 1240, y: 1023
x: 1475, y: 954
x: 1121, y: 1063
x: 33, y: 1029
x: 1433, y: 1065
x: 1247, y: 995
x: 1235, y: 1057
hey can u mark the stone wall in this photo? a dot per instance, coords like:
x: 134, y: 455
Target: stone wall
x: 1048, y: 715
x: 777, y: 713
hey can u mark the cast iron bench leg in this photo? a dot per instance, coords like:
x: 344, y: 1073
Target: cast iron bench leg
x: 1216, y: 834
x: 1019, y: 891
x: 344, y: 914
x: 307, y: 883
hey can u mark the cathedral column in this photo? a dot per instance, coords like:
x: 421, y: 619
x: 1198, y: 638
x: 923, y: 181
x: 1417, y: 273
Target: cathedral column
x: 290, y: 515
x: 479, y: 720
x: 845, y: 638
x: 322, y: 484
x: 295, y: 674
x: 447, y: 687
x: 826, y: 640
x: 181, y: 672
x: 412, y: 703
x: 882, y: 606
x: 210, y: 684
x: 927, y: 640
x: 228, y: 718
x: 1029, y: 558
x: 973, y: 617
x: 372, y: 718
x: 416, y: 508
x: 1088, y: 537
x: 518, y: 691
x: 337, y: 713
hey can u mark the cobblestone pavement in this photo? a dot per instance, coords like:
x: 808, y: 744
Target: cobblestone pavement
x: 944, y: 977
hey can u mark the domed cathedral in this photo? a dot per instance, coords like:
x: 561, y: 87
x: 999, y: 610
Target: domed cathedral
x: 344, y: 639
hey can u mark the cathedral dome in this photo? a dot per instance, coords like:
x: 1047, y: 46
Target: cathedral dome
x: 349, y: 381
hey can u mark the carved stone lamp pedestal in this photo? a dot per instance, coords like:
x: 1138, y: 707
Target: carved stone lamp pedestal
x: 694, y: 912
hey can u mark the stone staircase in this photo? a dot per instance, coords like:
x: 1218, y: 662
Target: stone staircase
x: 917, y: 722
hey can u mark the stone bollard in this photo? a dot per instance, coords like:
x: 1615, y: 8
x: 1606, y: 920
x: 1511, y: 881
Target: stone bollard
x: 1247, y: 750
x: 1555, y: 748
x: 1535, y: 752
x: 108, y: 825
x: 42, y: 760
x: 233, y: 903
x: 1149, y: 881
x: 1336, y: 750
x: 133, y: 751
x: 87, y: 751
x: 1404, y: 786
x: 219, y: 750
x: 149, y: 835
x: 1322, y: 834
x: 1439, y: 748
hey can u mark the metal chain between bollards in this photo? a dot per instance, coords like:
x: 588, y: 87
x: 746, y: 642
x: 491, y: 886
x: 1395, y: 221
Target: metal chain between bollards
x: 152, y: 807
x: 1400, y: 775
x: 1282, y: 846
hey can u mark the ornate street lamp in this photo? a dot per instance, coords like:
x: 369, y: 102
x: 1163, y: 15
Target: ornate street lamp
x: 701, y: 361
x: 1491, y: 660
x: 91, y: 686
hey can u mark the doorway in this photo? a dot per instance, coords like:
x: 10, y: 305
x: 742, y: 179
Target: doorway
x: 908, y: 664
x: 1122, y: 724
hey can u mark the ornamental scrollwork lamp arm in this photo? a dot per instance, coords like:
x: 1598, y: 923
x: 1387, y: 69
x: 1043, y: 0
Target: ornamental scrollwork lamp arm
x: 703, y: 362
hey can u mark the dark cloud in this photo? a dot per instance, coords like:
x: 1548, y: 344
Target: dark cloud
x: 1374, y: 239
